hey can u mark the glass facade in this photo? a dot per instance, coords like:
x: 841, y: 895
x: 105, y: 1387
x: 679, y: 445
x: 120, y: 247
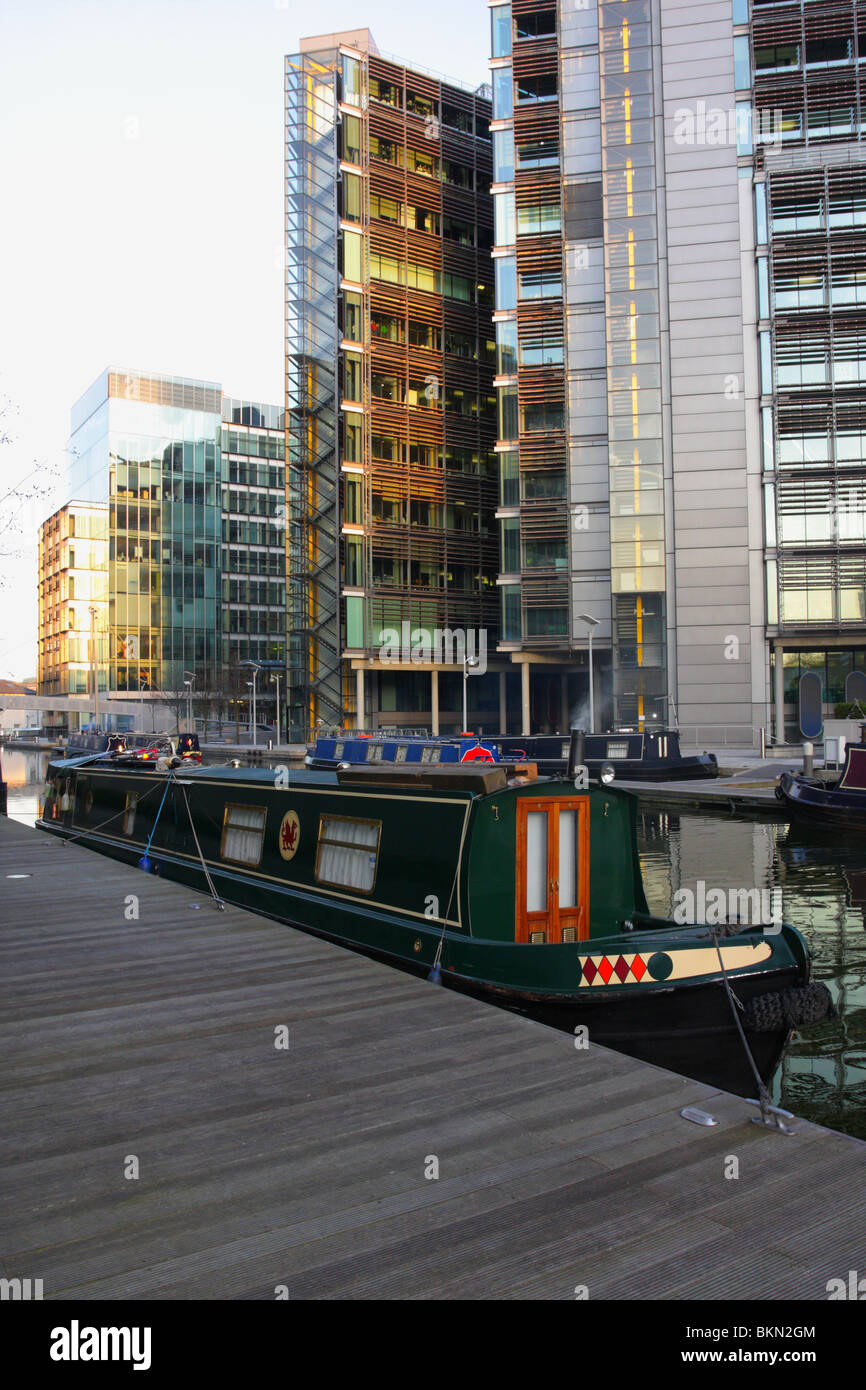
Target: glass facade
x: 73, y: 599
x: 632, y: 320
x: 810, y: 188
x: 195, y: 527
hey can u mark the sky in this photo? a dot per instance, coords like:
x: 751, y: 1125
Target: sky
x: 141, y: 181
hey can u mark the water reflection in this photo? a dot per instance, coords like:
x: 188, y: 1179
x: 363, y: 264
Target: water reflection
x: 24, y: 774
x: 823, y: 884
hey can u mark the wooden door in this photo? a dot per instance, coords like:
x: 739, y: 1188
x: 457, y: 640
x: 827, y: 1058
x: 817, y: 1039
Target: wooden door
x: 552, y: 870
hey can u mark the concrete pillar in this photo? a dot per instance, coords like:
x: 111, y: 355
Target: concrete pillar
x: 503, y: 706
x: 360, y: 718
x: 779, y: 695
x: 434, y: 702
x: 524, y: 697
x: 563, y: 690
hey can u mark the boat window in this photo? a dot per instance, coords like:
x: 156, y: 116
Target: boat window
x: 374, y: 752
x: 400, y: 754
x: 536, y: 861
x: 564, y: 751
x: 243, y: 833
x: 617, y: 750
x: 568, y: 858
x: 129, y: 813
x: 338, y: 750
x: 348, y: 852
x: 430, y: 755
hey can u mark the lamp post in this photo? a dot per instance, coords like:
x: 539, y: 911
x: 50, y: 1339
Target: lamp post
x: 468, y: 661
x: 188, y: 678
x: 592, y: 623
x: 275, y: 676
x: 94, y: 665
x: 252, y: 666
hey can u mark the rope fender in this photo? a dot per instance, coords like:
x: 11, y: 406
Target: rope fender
x: 790, y: 1008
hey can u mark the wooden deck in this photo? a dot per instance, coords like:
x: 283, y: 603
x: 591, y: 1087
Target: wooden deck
x: 305, y: 1168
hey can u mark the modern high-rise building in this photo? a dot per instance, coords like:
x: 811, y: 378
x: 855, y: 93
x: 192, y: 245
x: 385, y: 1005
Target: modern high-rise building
x: 73, y: 600
x: 390, y: 406
x: 801, y: 67
x: 187, y: 488
x: 678, y: 198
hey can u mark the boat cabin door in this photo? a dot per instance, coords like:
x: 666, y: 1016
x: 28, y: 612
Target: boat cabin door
x: 552, y: 870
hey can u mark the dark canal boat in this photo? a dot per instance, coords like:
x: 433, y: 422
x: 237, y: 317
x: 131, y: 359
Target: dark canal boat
x: 525, y: 892
x: 653, y: 756
x: 650, y: 756
x: 836, y: 805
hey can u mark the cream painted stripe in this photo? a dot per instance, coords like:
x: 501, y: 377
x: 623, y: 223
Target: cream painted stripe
x: 687, y: 964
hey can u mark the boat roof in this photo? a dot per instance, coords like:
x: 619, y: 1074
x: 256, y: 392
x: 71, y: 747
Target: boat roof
x: 476, y: 780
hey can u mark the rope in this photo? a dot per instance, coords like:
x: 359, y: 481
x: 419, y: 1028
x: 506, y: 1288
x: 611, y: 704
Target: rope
x: 68, y: 839
x: 213, y: 892
x: 763, y: 1093
x: 144, y: 862
x: 435, y: 973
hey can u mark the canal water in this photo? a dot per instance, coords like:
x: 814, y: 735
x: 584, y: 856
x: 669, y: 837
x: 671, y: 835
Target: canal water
x: 823, y: 884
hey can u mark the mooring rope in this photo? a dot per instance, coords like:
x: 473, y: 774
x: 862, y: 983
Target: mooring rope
x: 213, y: 892
x: 68, y: 839
x: 763, y: 1093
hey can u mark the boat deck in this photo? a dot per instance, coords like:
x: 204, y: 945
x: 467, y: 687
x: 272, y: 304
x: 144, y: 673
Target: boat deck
x: 305, y: 1167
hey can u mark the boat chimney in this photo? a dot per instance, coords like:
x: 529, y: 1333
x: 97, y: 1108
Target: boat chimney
x: 576, y: 752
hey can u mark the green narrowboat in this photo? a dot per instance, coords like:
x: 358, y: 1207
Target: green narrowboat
x: 520, y: 890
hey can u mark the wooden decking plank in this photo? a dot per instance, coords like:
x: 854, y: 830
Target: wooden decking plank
x: 557, y: 1166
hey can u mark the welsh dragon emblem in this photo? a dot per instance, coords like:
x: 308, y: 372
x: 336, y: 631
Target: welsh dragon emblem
x: 289, y: 834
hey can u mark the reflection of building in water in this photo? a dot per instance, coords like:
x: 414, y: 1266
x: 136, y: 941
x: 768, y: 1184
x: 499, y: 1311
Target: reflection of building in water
x: 824, y: 895
x: 678, y: 851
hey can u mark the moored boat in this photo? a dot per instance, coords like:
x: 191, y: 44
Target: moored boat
x: 839, y: 804
x: 653, y: 755
x: 142, y: 747
x: 526, y: 892
x: 649, y: 755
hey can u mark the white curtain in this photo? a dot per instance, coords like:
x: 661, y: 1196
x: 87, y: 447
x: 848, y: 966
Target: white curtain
x: 347, y: 852
x: 243, y: 834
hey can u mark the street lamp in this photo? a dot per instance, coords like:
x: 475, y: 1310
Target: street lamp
x: 592, y: 623
x: 189, y: 677
x: 468, y: 661
x: 275, y: 676
x: 251, y: 665
x: 95, y: 665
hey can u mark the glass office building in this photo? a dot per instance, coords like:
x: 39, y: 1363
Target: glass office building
x: 389, y: 380
x: 73, y: 600
x: 679, y: 251
x: 194, y: 484
x: 801, y: 66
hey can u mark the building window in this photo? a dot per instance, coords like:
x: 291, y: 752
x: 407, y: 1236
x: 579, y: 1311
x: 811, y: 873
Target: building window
x: 500, y: 31
x: 537, y: 87
x: 348, y: 852
x: 243, y: 833
x: 503, y: 94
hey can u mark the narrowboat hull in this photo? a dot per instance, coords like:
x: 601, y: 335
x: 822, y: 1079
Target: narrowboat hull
x: 645, y: 987
x: 827, y: 808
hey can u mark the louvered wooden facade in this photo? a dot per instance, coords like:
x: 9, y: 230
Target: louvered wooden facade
x: 429, y: 482
x: 808, y: 72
